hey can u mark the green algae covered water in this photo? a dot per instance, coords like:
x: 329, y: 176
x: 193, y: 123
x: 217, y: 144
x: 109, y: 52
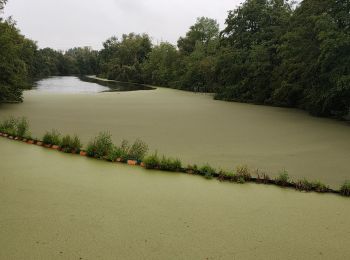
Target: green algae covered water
x: 195, y: 128
x: 60, y: 206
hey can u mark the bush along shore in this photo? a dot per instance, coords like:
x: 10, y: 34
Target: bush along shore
x: 102, y: 147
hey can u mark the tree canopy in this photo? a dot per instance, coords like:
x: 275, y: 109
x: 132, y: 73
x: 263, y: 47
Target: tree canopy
x: 269, y: 52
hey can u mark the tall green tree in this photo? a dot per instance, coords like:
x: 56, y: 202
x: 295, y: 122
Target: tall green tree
x: 249, y: 55
x: 162, y: 66
x: 204, y: 31
x: 316, y: 56
x: 122, y: 60
x: 16, y: 60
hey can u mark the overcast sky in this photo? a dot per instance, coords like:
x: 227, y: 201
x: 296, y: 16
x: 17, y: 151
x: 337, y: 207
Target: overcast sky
x: 62, y: 24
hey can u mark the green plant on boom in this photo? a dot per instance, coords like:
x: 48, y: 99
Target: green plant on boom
x: 124, y: 150
x: 283, y: 178
x: 100, y: 146
x: 304, y: 185
x: 22, y: 127
x: 242, y: 173
x: 345, y: 189
x: 152, y: 161
x: 71, y: 144
x: 119, y: 152
x: 138, y: 150
x: 113, y: 154
x: 8, y: 126
x: 207, y: 171
x: 170, y: 164
x: 52, y: 138
x: 15, y: 127
x: 226, y: 176
x: 319, y: 186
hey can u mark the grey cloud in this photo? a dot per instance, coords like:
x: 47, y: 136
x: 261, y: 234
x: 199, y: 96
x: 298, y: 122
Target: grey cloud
x: 62, y: 24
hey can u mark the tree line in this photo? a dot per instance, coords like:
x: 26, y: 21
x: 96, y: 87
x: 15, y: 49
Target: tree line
x: 270, y: 52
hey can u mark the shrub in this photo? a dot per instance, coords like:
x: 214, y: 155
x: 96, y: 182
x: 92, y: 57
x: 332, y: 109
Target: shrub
x: 138, y: 150
x: 229, y: 176
x: 76, y: 143
x: 9, y: 126
x: 242, y: 173
x: 113, y: 154
x: 170, y: 164
x: 70, y: 144
x: 119, y: 152
x: 124, y: 149
x: 100, y: 146
x: 22, y: 127
x: 345, y: 189
x: 304, y: 185
x: 283, y: 178
x: 15, y: 126
x: 207, y: 171
x: 319, y: 186
x: 152, y: 161
x: 52, y: 137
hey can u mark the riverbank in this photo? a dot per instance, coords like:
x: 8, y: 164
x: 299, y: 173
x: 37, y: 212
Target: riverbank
x: 56, y: 205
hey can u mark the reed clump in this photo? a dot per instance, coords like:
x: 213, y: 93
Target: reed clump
x: 71, y: 144
x: 52, y: 137
x: 15, y: 127
x: 345, y: 189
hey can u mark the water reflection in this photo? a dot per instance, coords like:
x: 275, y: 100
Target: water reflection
x: 72, y: 85
x: 114, y: 85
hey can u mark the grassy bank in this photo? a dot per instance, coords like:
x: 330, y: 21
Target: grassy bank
x: 136, y: 153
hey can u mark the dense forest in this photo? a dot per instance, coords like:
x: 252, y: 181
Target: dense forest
x: 270, y: 52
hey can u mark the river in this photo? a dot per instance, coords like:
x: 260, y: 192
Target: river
x: 194, y: 127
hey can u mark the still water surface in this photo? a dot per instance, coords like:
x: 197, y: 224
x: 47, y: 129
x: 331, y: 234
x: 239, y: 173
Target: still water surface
x: 196, y: 128
x: 59, y: 206
x: 70, y: 85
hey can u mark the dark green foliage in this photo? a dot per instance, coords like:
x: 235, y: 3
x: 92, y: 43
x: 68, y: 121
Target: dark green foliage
x: 170, y: 164
x: 345, y: 189
x: 282, y: 178
x: 121, y: 60
x: 71, y: 144
x: 207, y: 171
x: 17, y: 54
x: 274, y: 55
x: 152, y: 161
x: 53, y: 137
x: 100, y: 146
